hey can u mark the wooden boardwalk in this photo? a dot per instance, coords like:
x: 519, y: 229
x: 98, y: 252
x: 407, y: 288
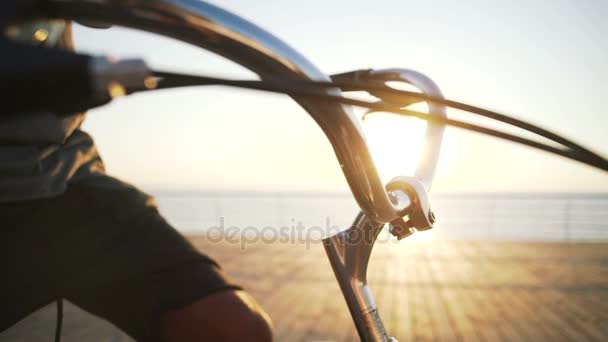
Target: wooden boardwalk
x: 426, y: 291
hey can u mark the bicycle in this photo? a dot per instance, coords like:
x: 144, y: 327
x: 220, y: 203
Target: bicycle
x: 284, y: 70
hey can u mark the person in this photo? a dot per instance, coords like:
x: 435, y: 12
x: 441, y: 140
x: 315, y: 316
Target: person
x: 69, y: 230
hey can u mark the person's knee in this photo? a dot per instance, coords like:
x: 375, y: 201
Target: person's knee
x: 247, y: 321
x: 223, y: 316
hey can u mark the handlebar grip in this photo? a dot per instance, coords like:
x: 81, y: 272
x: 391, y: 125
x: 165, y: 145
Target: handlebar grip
x: 41, y: 79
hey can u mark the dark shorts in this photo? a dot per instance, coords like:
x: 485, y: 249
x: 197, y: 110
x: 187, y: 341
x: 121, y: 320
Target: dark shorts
x: 103, y: 246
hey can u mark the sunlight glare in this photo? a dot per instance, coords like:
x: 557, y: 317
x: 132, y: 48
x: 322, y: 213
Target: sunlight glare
x: 395, y: 143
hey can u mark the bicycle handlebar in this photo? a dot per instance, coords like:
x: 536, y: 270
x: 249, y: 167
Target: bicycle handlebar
x: 236, y: 39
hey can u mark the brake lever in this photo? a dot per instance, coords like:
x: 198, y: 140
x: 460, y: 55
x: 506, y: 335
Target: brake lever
x: 368, y: 77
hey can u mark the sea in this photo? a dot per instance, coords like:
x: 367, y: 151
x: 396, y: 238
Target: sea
x: 549, y: 217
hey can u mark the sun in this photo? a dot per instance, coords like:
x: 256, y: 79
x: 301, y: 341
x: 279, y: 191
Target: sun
x: 395, y: 143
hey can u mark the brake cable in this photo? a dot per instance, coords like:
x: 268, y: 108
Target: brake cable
x: 310, y: 89
x: 97, y: 80
x: 396, y: 95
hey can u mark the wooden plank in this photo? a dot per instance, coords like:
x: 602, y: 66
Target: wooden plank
x: 426, y: 291
x: 401, y: 314
x: 443, y: 323
x: 485, y: 316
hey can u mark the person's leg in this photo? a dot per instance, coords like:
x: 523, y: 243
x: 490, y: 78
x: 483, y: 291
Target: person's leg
x: 27, y: 282
x: 222, y: 316
x: 184, y: 303
x: 159, y: 287
x: 104, y: 247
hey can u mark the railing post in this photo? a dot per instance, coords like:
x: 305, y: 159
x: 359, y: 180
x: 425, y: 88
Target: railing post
x: 492, y: 218
x: 218, y: 206
x: 567, y: 217
x: 280, y: 209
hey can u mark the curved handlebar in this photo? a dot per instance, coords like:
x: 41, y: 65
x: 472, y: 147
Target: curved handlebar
x: 236, y: 39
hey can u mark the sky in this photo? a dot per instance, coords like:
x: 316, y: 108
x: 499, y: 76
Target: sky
x: 542, y: 61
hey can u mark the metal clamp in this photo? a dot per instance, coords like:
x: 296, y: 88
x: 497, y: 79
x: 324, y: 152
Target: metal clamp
x: 419, y: 216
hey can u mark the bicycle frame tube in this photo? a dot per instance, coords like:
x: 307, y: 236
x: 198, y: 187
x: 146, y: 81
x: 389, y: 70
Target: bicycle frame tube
x: 348, y: 254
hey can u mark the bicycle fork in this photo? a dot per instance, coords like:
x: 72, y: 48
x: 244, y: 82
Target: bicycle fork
x: 349, y: 253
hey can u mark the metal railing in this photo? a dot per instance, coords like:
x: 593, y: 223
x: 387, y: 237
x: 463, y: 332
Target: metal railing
x: 521, y: 217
